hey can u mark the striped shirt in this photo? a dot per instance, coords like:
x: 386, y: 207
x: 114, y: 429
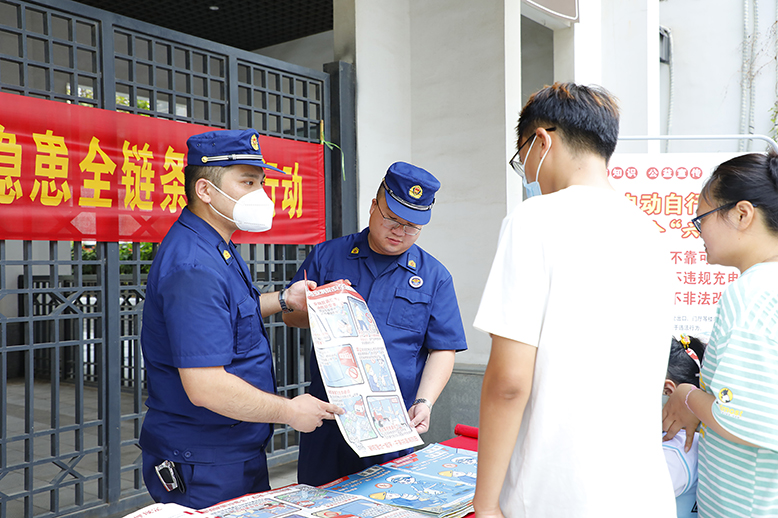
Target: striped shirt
x: 741, y: 370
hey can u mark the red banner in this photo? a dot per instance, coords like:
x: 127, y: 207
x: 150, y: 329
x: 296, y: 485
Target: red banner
x: 75, y: 173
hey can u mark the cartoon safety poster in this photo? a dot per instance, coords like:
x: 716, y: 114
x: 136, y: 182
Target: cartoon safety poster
x: 357, y: 373
x: 666, y: 187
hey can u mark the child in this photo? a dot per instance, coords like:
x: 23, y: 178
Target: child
x: 683, y: 367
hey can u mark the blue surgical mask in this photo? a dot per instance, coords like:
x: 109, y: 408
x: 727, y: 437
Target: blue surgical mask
x: 533, y: 188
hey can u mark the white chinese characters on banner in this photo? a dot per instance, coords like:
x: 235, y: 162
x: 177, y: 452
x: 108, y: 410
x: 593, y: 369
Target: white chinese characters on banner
x: 666, y: 187
x: 357, y: 373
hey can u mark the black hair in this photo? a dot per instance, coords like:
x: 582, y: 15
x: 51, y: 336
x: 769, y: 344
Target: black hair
x: 681, y: 368
x: 586, y: 117
x: 752, y: 177
x: 192, y: 173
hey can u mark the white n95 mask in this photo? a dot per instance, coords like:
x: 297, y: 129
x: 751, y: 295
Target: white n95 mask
x: 253, y: 212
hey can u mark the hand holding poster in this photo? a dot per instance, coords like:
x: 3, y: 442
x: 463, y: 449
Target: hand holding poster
x: 357, y: 373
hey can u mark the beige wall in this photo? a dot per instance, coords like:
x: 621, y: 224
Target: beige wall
x: 438, y: 85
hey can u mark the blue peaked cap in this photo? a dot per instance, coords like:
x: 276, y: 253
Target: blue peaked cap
x: 224, y: 148
x: 410, y: 192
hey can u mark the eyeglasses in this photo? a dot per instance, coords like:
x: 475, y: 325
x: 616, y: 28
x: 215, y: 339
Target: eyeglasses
x: 516, y: 162
x: 696, y: 221
x: 391, y: 224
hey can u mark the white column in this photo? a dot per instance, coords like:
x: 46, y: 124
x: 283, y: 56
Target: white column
x: 630, y: 65
x: 588, y: 43
x: 438, y: 85
x: 375, y: 36
x: 466, y: 93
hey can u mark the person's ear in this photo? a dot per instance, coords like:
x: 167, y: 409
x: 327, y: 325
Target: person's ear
x: 669, y: 387
x: 543, y: 137
x: 745, y: 214
x: 203, y: 190
x: 373, y: 206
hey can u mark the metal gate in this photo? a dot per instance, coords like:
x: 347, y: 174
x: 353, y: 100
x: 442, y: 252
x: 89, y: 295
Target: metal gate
x: 72, y: 381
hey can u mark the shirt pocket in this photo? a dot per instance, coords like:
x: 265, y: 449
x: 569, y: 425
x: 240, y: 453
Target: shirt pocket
x: 247, y: 329
x: 410, y: 310
x: 332, y: 276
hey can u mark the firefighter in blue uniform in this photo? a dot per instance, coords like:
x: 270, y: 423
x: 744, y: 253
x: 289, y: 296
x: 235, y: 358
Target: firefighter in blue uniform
x: 211, y: 383
x: 411, y: 296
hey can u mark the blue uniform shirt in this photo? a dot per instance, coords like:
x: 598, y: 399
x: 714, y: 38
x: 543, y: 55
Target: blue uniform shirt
x: 201, y: 311
x: 415, y: 306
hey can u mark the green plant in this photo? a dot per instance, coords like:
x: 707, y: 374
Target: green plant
x: 125, y: 254
x: 89, y: 253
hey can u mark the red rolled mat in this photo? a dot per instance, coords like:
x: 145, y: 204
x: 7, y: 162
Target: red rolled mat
x: 466, y: 431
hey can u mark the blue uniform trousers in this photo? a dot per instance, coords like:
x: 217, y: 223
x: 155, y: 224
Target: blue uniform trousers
x: 208, y: 484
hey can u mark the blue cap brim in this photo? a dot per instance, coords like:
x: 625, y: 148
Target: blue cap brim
x: 417, y: 217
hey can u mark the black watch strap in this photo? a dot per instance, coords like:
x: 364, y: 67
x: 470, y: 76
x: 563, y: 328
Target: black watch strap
x: 282, y: 301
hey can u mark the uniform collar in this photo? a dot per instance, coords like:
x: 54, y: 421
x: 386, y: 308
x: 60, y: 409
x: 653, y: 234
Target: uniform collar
x: 207, y: 233
x: 361, y: 250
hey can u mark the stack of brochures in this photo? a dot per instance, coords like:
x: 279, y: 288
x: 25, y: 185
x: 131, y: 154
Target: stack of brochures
x: 294, y: 501
x: 435, y: 481
x: 301, y: 501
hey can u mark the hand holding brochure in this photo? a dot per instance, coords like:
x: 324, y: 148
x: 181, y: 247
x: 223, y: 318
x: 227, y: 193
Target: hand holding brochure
x: 357, y: 373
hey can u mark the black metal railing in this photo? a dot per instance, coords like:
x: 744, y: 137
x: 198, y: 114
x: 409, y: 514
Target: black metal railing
x: 71, y: 372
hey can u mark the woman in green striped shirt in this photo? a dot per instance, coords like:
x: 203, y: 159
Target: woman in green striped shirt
x: 737, y: 402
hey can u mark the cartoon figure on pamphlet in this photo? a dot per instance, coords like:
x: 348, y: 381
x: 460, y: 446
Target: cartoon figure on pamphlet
x: 407, y: 491
x: 355, y: 420
x: 341, y: 322
x: 378, y: 375
x: 389, y: 416
x: 365, y: 322
x: 463, y: 476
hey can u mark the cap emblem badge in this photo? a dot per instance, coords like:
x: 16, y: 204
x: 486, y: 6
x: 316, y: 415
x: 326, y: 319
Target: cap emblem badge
x: 254, y: 143
x: 416, y: 192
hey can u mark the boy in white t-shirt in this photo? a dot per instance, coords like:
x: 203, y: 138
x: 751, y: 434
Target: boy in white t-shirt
x: 577, y: 292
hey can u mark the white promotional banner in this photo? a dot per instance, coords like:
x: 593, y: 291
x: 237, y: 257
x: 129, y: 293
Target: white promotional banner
x: 666, y: 187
